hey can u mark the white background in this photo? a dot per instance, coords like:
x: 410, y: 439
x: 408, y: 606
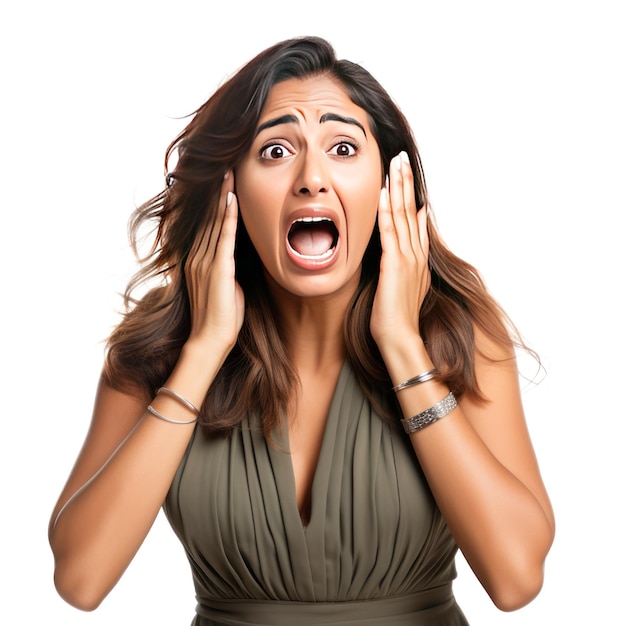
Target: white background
x: 519, y: 112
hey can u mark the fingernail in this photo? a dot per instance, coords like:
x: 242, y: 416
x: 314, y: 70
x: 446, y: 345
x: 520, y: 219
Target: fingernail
x: 404, y: 157
x: 383, y: 196
x: 229, y: 198
x: 227, y: 175
x: 398, y: 159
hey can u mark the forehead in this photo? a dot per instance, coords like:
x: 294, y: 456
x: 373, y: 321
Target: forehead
x: 310, y: 97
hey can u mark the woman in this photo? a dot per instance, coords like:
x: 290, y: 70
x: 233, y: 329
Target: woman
x: 322, y: 396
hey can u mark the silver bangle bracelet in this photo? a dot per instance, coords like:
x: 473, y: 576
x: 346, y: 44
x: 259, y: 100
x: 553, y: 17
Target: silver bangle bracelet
x: 154, y: 412
x: 180, y: 398
x: 416, y: 380
x: 427, y: 417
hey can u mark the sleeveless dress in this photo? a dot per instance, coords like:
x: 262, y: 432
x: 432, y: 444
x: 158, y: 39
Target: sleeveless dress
x: 376, y: 551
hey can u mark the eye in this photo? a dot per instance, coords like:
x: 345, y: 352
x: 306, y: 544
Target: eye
x: 274, y: 152
x: 344, y: 149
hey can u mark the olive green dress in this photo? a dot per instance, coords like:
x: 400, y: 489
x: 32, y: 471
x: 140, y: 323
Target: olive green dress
x: 376, y: 550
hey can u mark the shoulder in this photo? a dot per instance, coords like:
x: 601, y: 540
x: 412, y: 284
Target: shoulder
x: 499, y: 418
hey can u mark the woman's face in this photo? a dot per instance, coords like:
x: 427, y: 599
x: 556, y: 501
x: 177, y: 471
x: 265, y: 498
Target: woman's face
x: 308, y: 189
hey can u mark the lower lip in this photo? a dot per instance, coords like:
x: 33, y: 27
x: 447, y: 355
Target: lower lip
x: 313, y: 263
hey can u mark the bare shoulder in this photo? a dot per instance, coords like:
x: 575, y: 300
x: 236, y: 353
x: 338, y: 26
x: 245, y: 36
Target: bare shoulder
x: 497, y: 375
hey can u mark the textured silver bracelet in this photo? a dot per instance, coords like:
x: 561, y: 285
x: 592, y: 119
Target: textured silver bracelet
x: 416, y: 380
x: 167, y: 419
x: 180, y: 398
x: 423, y: 419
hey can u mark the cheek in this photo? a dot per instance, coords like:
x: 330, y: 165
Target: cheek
x: 365, y: 207
x: 367, y: 217
x: 260, y: 223
x: 252, y: 203
x: 258, y: 230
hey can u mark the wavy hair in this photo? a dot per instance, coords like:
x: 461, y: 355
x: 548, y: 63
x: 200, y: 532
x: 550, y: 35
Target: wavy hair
x: 258, y: 375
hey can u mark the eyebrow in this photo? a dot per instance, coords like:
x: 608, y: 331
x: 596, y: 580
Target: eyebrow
x: 334, y: 117
x: 291, y: 119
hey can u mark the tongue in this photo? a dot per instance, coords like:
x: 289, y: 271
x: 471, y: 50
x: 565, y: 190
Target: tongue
x: 312, y: 240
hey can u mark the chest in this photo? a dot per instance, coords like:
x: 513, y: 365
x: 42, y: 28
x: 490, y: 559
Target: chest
x: 305, y: 435
x: 373, y: 528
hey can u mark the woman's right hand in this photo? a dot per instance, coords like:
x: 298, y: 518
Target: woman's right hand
x: 215, y: 297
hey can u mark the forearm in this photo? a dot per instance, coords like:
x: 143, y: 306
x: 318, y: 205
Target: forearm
x: 500, y: 524
x: 496, y: 520
x: 100, y: 527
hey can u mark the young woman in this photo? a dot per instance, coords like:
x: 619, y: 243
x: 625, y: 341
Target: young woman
x: 323, y: 398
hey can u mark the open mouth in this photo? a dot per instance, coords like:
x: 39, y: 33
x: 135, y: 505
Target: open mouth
x: 313, y: 238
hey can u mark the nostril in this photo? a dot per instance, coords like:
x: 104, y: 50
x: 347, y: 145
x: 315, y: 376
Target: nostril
x: 307, y: 191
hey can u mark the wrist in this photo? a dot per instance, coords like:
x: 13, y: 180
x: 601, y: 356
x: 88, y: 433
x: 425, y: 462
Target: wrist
x: 205, y: 352
x: 406, y: 358
x: 197, y: 366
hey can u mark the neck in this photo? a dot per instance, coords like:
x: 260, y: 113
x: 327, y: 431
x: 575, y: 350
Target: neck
x: 312, y: 327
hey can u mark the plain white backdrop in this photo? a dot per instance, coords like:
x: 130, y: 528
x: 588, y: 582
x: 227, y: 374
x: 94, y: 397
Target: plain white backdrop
x: 518, y: 110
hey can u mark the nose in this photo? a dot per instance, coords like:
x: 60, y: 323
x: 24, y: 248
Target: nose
x: 313, y: 176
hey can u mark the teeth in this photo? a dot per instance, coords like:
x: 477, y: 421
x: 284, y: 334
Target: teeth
x: 318, y: 257
x: 313, y: 219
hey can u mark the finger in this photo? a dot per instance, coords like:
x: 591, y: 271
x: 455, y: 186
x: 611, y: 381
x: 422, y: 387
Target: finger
x: 422, y: 228
x: 202, y: 252
x: 225, y: 247
x: 388, y: 239
x: 215, y: 234
x: 410, y: 204
x: 397, y: 194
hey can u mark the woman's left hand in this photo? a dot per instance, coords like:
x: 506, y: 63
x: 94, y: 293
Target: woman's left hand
x: 404, y: 275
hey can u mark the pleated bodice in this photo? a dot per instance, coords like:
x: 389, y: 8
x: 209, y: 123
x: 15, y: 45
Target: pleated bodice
x: 375, y: 533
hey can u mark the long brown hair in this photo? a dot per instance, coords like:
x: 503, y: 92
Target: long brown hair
x: 258, y: 375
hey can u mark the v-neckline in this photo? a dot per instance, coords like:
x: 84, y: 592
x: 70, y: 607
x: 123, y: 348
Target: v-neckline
x: 286, y: 453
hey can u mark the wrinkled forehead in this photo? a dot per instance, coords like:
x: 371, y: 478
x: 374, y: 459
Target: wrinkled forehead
x: 309, y: 99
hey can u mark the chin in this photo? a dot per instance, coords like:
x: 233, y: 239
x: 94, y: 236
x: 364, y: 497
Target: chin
x: 319, y: 286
